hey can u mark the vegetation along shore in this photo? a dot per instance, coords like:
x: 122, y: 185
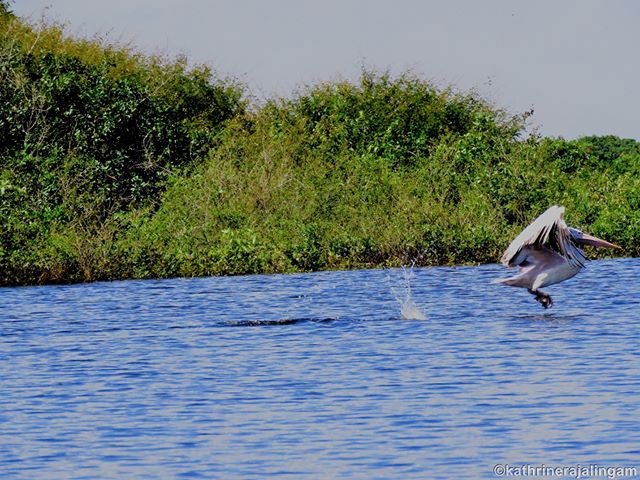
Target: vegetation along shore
x: 115, y: 164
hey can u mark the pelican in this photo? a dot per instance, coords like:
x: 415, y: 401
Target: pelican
x: 547, y: 252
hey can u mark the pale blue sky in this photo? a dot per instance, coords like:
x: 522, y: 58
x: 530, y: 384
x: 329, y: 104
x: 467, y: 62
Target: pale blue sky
x: 574, y: 61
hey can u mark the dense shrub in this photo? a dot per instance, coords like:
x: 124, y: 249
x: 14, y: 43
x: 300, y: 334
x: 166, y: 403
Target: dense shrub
x: 88, y: 130
x: 124, y: 137
x: 396, y: 119
x: 291, y: 188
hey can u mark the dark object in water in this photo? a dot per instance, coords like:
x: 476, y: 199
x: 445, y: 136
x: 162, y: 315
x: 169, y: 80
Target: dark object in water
x: 279, y: 321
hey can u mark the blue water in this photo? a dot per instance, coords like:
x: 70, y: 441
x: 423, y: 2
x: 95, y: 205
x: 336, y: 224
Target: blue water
x: 319, y: 376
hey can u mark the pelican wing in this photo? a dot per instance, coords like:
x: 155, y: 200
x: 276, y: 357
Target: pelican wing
x: 550, y: 231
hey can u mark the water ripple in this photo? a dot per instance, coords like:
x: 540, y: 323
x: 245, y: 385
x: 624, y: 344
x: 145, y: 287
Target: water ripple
x: 158, y: 379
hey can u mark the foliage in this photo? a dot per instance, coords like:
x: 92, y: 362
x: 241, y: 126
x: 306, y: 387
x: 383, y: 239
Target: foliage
x: 399, y: 120
x: 289, y: 190
x: 88, y: 130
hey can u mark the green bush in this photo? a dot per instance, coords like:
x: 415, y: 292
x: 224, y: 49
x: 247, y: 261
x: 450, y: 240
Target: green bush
x: 88, y: 130
x: 123, y: 137
x: 396, y: 119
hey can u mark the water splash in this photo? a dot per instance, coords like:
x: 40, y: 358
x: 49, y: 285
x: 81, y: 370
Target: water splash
x: 410, y: 311
x: 408, y: 308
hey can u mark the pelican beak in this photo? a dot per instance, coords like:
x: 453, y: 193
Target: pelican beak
x: 596, y: 242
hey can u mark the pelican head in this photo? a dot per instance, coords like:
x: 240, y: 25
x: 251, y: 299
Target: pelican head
x: 581, y: 238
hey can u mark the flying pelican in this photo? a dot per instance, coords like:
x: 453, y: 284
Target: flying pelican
x: 547, y: 252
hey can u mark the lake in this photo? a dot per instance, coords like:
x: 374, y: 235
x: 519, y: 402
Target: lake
x: 320, y: 376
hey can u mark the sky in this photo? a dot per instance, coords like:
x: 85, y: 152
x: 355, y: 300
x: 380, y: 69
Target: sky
x: 575, y: 62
